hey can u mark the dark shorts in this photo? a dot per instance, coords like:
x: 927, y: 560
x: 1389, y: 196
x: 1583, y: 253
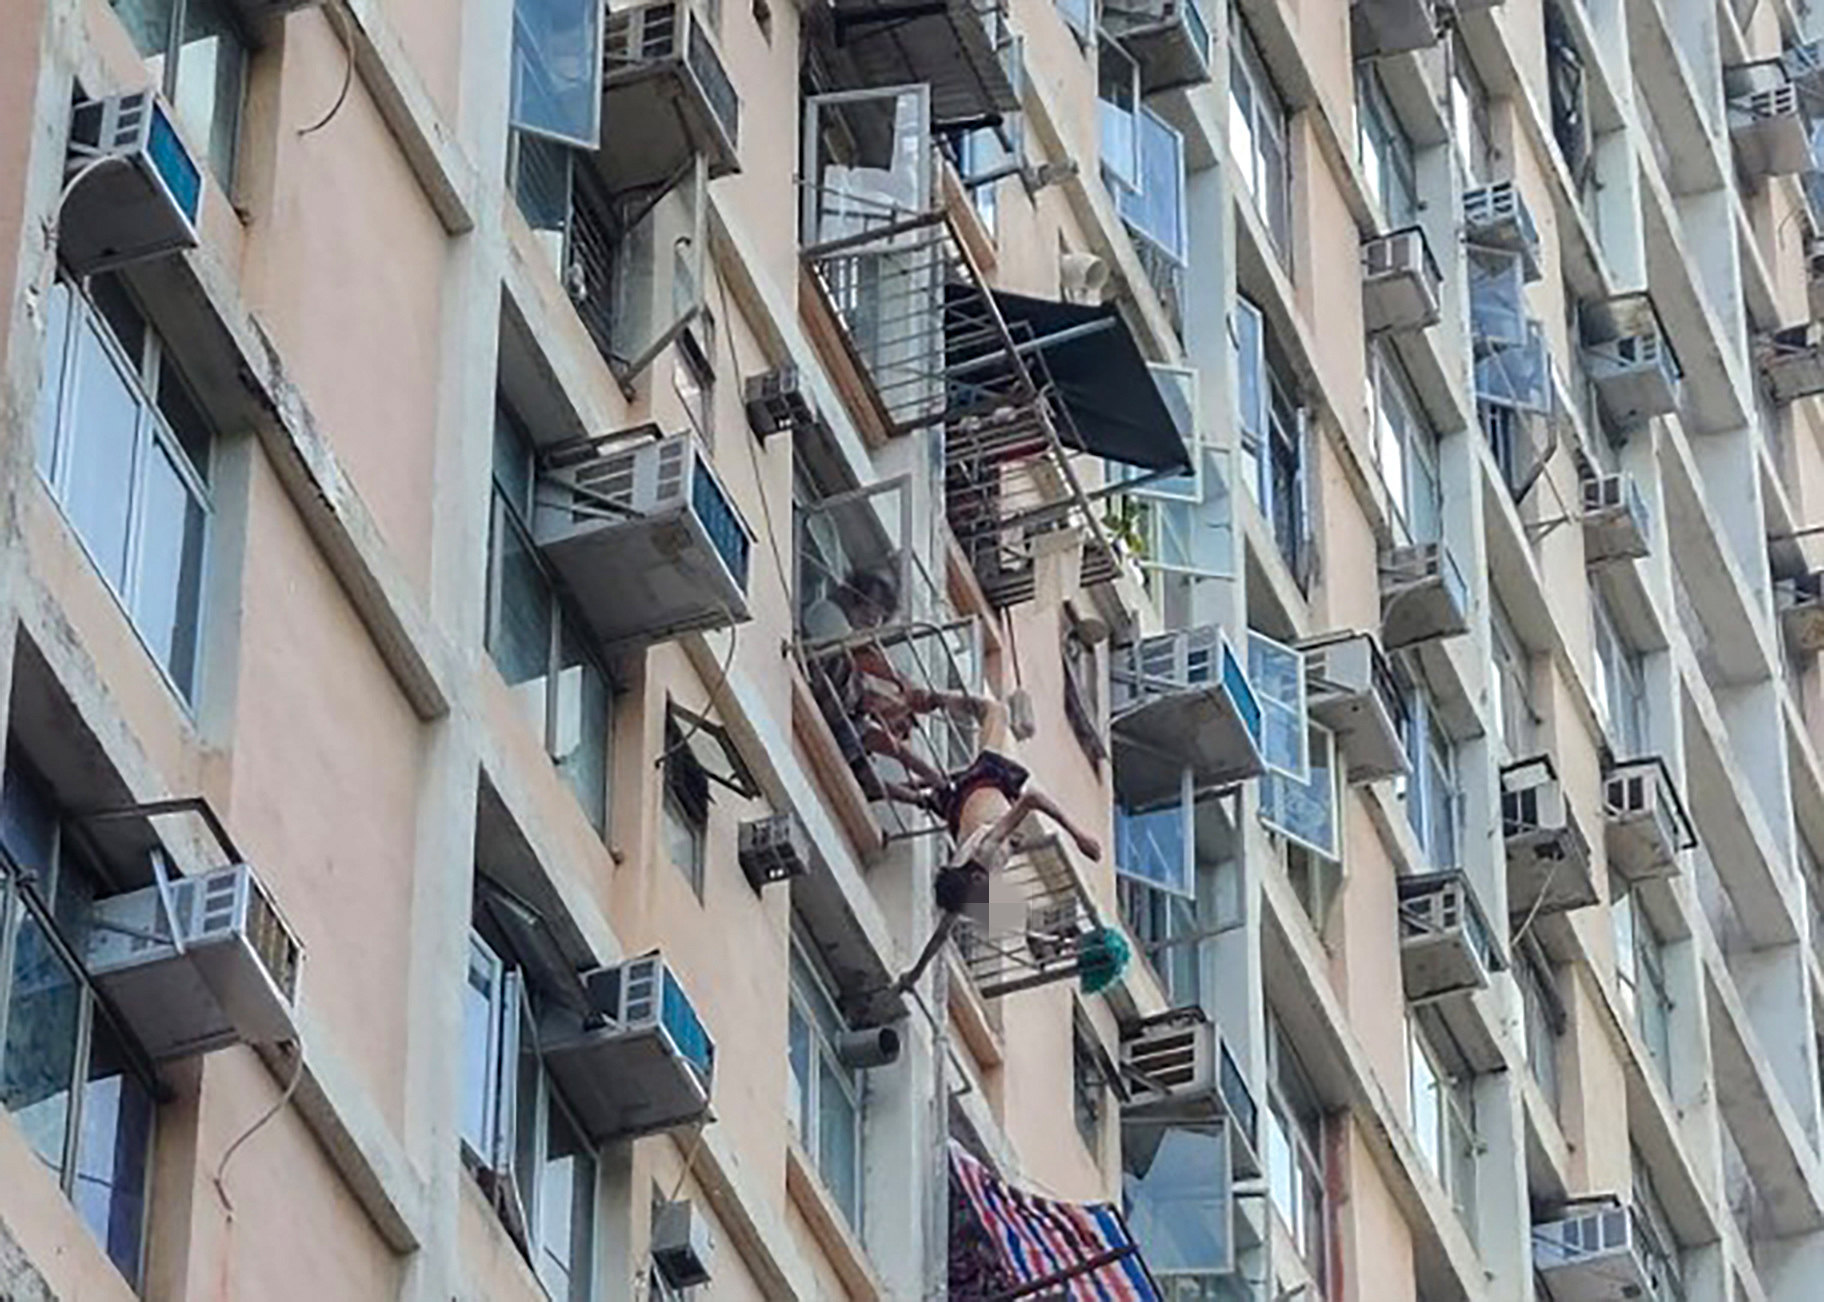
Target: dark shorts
x: 990, y: 769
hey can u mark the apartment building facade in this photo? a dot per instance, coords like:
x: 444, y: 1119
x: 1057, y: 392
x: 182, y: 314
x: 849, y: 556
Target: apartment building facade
x: 505, y: 502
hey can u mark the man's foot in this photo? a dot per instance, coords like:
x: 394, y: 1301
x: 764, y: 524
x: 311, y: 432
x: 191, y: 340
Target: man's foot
x: 1091, y: 848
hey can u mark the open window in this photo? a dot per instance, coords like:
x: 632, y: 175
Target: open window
x: 557, y: 70
x: 1154, y: 208
x: 707, y: 749
x: 1305, y: 812
x: 1277, y: 673
x: 1118, y: 114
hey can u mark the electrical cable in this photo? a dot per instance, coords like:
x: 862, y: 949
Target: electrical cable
x: 291, y: 1088
x: 346, y: 31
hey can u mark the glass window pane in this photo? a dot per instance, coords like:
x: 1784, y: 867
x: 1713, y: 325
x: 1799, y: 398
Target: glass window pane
x: 580, y: 744
x: 50, y: 389
x: 837, y: 1153
x: 120, y: 317
x: 207, y: 97
x: 148, y: 22
x: 520, y: 631
x: 566, y: 1210
x: 798, y: 1061
x: 97, y: 487
x: 168, y: 595
x: 28, y: 821
x: 557, y: 69
x: 114, y: 1151
x: 38, y: 1060
x: 479, y: 998
x: 185, y: 419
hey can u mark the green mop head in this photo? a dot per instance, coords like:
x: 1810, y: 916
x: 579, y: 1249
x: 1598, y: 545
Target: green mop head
x: 1102, y: 956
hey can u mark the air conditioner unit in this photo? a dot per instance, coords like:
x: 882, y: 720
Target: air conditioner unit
x: 1496, y: 217
x: 777, y: 402
x: 1769, y: 132
x: 645, y: 538
x: 666, y: 96
x: 1378, y: 27
x: 773, y: 849
x: 1792, y: 362
x: 1548, y: 856
x: 1168, y: 39
x: 143, y: 201
x: 1801, y: 604
x: 1635, y: 377
x: 1401, y: 285
x: 1596, y: 1254
x: 1423, y: 596
x: 1181, y: 699
x: 682, y: 1244
x: 1350, y: 690
x: 1445, y: 947
x: 1644, y: 822
x: 197, y: 963
x: 1615, y: 524
x: 1177, y: 1068
x: 641, y: 1062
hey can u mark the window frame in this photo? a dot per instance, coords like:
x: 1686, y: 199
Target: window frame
x: 154, y: 440
x: 1264, y: 123
x: 1618, y: 685
x: 1384, y: 150
x: 1401, y: 427
x: 811, y: 1004
x: 568, y: 633
x: 22, y: 903
x: 224, y: 160
x: 1433, y: 783
x: 1295, y: 1122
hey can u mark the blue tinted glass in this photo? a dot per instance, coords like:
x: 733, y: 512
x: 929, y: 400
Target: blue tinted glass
x: 557, y: 66
x: 174, y: 165
x: 724, y: 527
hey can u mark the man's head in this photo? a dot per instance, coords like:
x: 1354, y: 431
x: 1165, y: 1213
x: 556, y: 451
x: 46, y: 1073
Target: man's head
x: 868, y: 597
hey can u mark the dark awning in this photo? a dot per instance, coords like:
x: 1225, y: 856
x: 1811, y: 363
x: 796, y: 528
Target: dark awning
x: 1120, y: 409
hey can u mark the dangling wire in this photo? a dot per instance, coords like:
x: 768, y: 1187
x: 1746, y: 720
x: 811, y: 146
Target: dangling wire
x: 291, y: 1088
x: 345, y: 30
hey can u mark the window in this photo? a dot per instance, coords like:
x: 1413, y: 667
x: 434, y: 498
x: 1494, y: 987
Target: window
x: 1118, y: 115
x: 1304, y: 813
x: 1154, y: 209
x: 1294, y: 1158
x: 693, y: 378
x: 1258, y: 132
x: 1543, y: 1016
x: 1083, y: 692
x: 1163, y: 923
x: 543, y: 651
x: 195, y: 51
x: 1641, y: 974
x: 1385, y: 151
x: 554, y: 92
x: 983, y: 159
x: 1441, y: 1107
x: 1272, y: 439
x: 125, y: 449
x: 1658, y: 1244
x: 828, y: 1099
x: 1405, y: 453
x: 1619, y: 684
x: 1511, y: 685
x: 74, y: 1082
x: 1469, y: 116
x: 685, y: 807
x: 1431, y: 791
x: 1089, y: 1075
x: 518, y: 1135
x: 1569, y: 94
x: 1080, y: 17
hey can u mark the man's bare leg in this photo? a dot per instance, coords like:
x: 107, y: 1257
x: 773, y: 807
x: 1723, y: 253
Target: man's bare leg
x: 1034, y: 801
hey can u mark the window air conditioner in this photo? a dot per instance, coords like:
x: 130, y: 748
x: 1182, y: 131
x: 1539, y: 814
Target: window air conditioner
x: 773, y: 849
x: 197, y: 963
x: 1801, y: 603
x: 1169, y: 41
x: 141, y: 191
x: 1769, y: 132
x: 1615, y: 526
x: 1635, y: 376
x: 1644, y: 822
x: 1423, y: 596
x: 1378, y: 27
x: 1548, y: 856
x: 682, y: 1244
x: 1444, y: 943
x: 1792, y: 362
x: 777, y: 402
x: 1595, y: 1255
x: 666, y: 86
x: 1177, y: 1067
x: 1401, y: 283
x: 645, y: 538
x: 1181, y: 699
x: 1351, y: 692
x: 642, y: 1062
x: 1496, y: 216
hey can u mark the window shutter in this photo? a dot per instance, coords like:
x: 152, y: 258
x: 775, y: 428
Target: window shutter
x: 557, y: 70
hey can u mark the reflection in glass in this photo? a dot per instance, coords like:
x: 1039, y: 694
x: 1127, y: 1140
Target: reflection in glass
x: 113, y: 1151
x: 38, y: 1060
